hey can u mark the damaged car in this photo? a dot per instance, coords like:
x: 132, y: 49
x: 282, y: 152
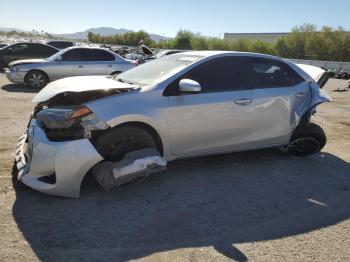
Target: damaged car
x: 182, y: 105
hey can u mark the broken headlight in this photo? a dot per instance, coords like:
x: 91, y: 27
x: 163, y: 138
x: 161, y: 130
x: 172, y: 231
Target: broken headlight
x: 62, y: 116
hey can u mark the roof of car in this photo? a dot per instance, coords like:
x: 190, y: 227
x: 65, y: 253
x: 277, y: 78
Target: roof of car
x: 86, y: 47
x: 206, y: 54
x: 213, y: 53
x: 36, y: 43
x: 60, y: 41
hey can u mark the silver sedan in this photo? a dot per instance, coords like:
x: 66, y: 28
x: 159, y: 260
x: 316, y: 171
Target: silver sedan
x: 74, y: 61
x: 183, y: 105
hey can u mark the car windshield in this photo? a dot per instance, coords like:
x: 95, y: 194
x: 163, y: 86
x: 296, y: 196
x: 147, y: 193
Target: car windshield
x: 157, y: 70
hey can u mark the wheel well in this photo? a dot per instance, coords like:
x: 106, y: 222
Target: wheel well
x: 25, y: 78
x: 149, y: 129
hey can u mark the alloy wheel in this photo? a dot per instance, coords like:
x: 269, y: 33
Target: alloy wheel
x: 36, y: 80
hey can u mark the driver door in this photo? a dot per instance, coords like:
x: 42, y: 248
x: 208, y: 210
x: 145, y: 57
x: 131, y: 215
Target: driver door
x: 220, y: 117
x: 72, y: 64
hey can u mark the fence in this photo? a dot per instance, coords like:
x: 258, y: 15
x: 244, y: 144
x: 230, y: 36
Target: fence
x: 324, y: 64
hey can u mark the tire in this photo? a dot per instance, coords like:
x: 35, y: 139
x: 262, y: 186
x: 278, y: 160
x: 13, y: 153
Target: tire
x: 36, y: 79
x: 116, y: 143
x: 306, y: 140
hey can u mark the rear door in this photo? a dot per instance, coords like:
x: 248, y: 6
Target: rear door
x: 220, y: 117
x: 99, y: 62
x: 280, y: 97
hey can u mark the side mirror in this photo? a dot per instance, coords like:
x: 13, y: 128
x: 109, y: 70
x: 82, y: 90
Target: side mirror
x: 189, y: 86
x: 59, y: 58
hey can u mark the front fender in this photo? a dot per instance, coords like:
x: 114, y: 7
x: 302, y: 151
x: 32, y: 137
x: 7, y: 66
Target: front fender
x: 159, y: 127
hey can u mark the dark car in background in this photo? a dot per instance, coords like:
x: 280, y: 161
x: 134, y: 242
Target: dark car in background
x: 2, y: 45
x: 60, y: 44
x: 24, y: 51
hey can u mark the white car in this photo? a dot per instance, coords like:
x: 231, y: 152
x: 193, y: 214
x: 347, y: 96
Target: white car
x: 183, y: 105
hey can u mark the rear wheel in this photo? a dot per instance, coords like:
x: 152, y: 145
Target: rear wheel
x: 116, y: 143
x: 306, y: 140
x: 36, y: 79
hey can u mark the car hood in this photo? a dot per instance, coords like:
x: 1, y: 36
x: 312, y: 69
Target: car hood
x: 79, y: 84
x: 28, y: 61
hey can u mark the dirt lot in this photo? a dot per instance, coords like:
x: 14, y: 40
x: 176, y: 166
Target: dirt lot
x: 257, y: 206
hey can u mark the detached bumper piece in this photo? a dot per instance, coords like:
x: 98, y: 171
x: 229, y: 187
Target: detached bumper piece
x: 135, y: 165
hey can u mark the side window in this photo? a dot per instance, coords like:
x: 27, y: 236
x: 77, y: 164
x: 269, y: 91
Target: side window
x: 269, y: 73
x: 41, y: 50
x: 217, y: 75
x: 20, y: 48
x: 100, y: 55
x: 47, y: 51
x: 72, y: 55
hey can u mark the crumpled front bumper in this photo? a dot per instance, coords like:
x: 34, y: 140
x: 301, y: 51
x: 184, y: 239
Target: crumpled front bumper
x: 69, y: 161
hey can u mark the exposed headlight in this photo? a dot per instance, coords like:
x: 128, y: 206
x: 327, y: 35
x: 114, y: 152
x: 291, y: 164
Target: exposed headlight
x: 62, y: 116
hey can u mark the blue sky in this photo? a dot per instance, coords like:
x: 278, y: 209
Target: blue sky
x: 166, y: 17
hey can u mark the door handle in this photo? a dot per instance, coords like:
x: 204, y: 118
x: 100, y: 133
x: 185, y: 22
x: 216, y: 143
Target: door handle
x: 80, y: 66
x: 243, y: 101
x: 300, y: 94
x: 109, y: 65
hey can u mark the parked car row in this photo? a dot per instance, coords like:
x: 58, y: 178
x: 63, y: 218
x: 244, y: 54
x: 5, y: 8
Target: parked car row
x: 72, y: 61
x: 36, y: 64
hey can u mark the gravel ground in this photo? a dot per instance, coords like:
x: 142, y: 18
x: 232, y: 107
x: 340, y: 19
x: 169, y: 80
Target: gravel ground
x: 257, y: 206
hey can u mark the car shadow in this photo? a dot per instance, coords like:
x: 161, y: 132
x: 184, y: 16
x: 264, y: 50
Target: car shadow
x: 19, y: 88
x: 216, y: 201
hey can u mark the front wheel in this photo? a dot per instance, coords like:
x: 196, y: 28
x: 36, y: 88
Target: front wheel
x: 117, y: 142
x: 36, y: 79
x: 306, y: 140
